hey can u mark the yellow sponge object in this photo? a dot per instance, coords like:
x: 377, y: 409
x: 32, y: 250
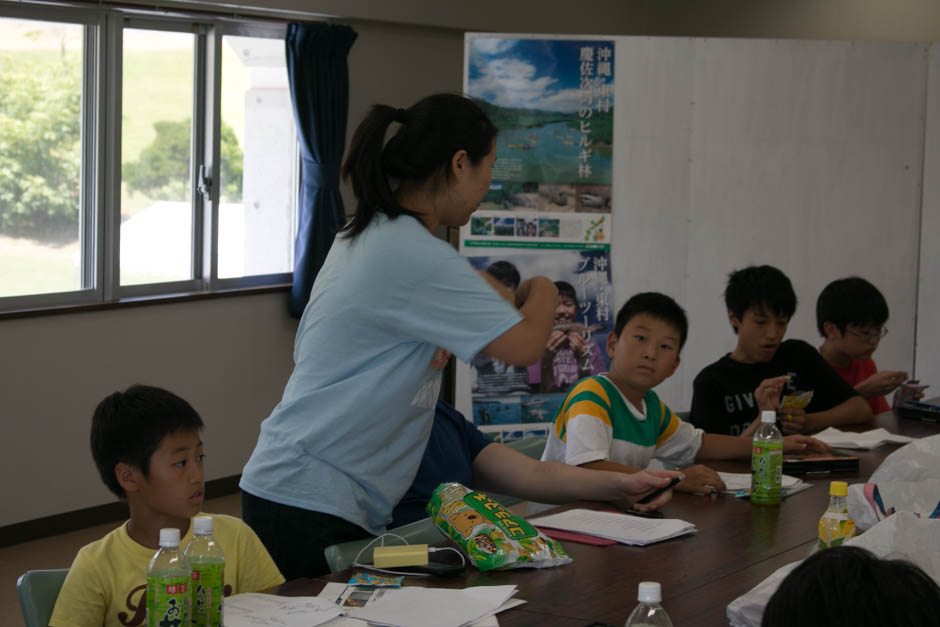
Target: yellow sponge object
x: 407, y: 555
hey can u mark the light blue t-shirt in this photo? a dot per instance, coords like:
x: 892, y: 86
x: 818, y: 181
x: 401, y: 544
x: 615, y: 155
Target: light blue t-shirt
x: 386, y: 310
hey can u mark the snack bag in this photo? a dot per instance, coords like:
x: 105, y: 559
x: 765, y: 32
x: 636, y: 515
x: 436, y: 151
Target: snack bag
x: 492, y: 537
x: 795, y: 401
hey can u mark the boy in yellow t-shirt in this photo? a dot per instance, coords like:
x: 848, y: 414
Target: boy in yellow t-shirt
x: 614, y: 421
x: 147, y: 448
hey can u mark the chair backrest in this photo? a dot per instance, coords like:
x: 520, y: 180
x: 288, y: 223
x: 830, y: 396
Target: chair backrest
x: 341, y: 556
x: 38, y: 590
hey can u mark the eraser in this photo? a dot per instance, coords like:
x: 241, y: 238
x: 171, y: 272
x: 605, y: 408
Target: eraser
x: 404, y: 555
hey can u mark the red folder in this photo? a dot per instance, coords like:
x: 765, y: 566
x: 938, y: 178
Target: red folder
x: 571, y: 536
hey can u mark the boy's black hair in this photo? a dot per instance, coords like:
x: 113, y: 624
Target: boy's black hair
x: 567, y: 289
x: 847, y: 586
x: 852, y: 300
x: 129, y: 426
x: 657, y: 305
x: 760, y: 286
x: 506, y: 273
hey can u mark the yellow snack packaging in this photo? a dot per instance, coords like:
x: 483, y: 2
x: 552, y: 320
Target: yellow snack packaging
x: 491, y: 536
x: 798, y: 400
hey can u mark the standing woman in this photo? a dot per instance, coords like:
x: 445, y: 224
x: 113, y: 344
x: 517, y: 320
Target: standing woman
x: 389, y: 306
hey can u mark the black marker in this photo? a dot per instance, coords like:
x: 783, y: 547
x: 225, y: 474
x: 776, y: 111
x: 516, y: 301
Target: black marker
x: 652, y: 495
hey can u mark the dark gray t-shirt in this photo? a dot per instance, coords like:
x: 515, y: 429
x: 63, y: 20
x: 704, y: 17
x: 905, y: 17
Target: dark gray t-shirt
x: 723, y: 392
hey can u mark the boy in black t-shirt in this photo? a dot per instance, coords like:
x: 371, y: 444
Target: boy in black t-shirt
x: 729, y: 395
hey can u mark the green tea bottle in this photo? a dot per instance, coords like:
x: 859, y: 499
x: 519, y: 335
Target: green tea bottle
x: 767, y: 461
x: 208, y: 564
x: 168, y: 579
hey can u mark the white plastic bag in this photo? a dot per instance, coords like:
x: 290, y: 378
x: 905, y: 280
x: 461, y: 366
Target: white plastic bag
x: 870, y: 502
x: 902, y: 536
x: 912, y: 462
x: 907, y: 480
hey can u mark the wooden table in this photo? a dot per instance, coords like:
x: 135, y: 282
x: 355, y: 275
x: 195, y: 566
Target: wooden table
x: 737, y: 546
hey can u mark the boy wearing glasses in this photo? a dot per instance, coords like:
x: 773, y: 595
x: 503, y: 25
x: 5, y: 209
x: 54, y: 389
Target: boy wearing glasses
x: 850, y: 315
x: 766, y: 372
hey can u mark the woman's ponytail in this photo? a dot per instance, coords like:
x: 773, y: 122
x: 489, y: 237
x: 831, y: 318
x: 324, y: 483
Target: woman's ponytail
x: 430, y: 133
x: 363, y: 168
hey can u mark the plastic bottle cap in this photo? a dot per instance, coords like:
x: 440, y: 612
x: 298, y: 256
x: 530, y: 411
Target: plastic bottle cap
x: 170, y: 538
x: 202, y: 525
x: 649, y: 592
x: 838, y: 488
x: 768, y: 416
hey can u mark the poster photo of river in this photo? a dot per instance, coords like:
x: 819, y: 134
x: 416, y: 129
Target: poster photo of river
x: 552, y: 100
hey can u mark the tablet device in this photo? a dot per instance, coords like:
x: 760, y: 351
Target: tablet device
x: 801, y: 463
x: 918, y: 410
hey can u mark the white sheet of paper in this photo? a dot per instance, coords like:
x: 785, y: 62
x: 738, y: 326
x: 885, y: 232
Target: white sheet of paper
x: 864, y: 441
x: 259, y: 610
x: 434, y: 607
x: 735, y: 481
x: 623, y: 528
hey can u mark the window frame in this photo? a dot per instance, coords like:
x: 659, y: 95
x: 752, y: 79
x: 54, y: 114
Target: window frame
x: 100, y: 170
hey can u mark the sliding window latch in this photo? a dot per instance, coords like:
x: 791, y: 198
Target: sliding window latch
x: 204, y: 185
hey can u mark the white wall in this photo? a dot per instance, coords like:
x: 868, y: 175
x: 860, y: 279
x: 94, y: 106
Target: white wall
x: 803, y: 155
x: 229, y: 357
x: 928, y: 310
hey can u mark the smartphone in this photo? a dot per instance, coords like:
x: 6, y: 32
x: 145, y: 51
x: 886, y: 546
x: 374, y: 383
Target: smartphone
x: 908, y: 392
x: 440, y: 569
x: 652, y: 495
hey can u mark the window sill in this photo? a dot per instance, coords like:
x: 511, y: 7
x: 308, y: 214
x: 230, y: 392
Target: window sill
x: 143, y: 301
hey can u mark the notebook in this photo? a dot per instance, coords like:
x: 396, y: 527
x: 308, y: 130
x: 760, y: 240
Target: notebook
x: 801, y: 463
x: 919, y: 410
x: 623, y: 528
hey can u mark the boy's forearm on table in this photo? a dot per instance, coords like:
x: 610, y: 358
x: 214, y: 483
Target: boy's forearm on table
x: 851, y: 412
x: 718, y: 446
x: 864, y: 390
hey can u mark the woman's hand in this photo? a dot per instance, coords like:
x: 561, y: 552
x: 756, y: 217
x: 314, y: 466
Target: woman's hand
x: 636, y: 485
x: 500, y: 287
x: 538, y: 283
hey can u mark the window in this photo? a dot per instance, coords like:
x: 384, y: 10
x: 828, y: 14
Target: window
x: 258, y: 210
x: 141, y: 154
x: 41, y: 129
x: 156, y: 156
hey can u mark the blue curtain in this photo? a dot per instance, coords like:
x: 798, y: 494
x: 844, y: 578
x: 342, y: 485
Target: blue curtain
x: 319, y: 87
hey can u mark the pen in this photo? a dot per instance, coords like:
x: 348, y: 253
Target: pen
x: 652, y: 495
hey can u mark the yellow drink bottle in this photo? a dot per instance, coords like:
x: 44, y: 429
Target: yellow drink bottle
x: 835, y: 526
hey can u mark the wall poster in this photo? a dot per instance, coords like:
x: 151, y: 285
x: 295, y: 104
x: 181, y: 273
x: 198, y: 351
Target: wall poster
x: 548, y: 212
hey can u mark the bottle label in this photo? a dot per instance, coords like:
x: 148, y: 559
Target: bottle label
x: 834, y: 529
x: 207, y: 594
x: 168, y: 601
x: 766, y: 472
